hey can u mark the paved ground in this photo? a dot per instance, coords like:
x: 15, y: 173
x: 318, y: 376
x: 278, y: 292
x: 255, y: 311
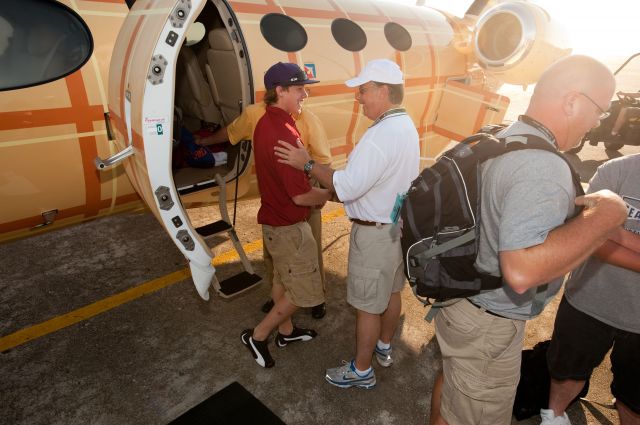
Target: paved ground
x: 148, y: 360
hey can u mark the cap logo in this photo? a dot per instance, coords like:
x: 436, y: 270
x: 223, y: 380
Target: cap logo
x: 300, y: 76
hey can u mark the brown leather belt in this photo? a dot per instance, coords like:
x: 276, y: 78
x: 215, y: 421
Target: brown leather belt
x: 366, y: 223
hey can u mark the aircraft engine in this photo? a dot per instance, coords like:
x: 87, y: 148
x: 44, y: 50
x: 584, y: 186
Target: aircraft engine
x: 516, y: 41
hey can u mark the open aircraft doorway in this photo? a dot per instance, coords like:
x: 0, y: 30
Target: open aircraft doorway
x: 167, y: 87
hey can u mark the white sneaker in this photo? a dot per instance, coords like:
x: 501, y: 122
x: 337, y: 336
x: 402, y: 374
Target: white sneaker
x: 550, y: 418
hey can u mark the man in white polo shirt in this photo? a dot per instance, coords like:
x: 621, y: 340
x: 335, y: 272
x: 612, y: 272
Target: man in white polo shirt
x: 381, y: 166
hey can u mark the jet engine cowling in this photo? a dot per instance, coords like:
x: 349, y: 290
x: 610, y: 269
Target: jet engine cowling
x: 516, y: 41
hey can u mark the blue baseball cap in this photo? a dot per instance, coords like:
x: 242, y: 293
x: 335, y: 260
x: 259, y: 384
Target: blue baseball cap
x: 285, y: 75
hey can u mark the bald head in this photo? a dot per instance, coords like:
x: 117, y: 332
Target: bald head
x: 570, y: 96
x: 577, y: 73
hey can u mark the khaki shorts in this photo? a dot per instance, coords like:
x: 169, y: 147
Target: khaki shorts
x: 295, y: 262
x: 375, y: 267
x: 481, y: 356
x: 315, y: 221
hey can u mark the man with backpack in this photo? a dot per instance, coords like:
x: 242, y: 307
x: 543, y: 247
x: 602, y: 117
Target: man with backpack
x: 380, y: 167
x: 527, y: 196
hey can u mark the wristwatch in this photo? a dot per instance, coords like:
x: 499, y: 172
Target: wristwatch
x: 308, y: 167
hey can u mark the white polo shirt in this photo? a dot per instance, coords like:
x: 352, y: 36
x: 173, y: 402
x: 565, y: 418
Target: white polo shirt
x: 382, y: 165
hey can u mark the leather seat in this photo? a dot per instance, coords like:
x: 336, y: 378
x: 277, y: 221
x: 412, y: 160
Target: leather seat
x: 223, y: 74
x: 193, y: 94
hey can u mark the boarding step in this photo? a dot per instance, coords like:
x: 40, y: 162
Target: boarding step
x: 214, y: 228
x: 238, y: 283
x: 247, y: 278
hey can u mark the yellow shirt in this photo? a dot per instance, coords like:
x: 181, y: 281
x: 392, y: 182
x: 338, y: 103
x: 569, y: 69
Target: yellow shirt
x: 311, y: 131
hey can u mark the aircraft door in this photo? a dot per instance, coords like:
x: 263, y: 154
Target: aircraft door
x: 141, y: 99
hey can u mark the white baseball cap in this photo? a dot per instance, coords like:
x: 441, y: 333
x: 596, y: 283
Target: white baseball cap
x: 380, y: 71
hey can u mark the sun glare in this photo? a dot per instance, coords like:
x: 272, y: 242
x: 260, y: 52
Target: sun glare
x: 603, y: 30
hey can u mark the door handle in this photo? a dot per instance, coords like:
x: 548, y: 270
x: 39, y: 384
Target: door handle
x: 101, y: 164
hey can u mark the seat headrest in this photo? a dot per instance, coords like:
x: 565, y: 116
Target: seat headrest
x: 219, y: 39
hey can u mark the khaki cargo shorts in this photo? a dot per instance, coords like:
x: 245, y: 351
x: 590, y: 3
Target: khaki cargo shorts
x: 295, y: 262
x: 375, y: 267
x: 481, y: 356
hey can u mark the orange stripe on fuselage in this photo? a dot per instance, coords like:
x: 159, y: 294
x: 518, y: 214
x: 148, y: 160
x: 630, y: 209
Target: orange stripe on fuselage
x: 482, y: 113
x: 446, y: 133
x: 45, y: 117
x: 350, y: 143
x: 488, y: 95
x: 88, y: 148
x: 258, y: 9
x: 335, y: 89
x: 432, y: 81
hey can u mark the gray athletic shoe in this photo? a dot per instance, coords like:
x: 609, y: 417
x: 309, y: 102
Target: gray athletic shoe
x: 345, y: 376
x: 384, y: 356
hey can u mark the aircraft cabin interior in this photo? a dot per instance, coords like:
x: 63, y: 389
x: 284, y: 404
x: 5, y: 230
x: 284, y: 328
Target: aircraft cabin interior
x: 209, y: 94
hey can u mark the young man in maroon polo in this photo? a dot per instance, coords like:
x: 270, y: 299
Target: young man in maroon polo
x: 286, y: 201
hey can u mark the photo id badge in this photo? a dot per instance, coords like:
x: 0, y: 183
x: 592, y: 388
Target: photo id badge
x: 395, y: 213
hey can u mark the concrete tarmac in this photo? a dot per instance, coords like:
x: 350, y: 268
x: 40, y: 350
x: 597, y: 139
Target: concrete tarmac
x: 80, y: 346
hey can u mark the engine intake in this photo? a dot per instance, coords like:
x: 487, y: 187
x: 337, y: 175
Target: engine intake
x: 517, y: 41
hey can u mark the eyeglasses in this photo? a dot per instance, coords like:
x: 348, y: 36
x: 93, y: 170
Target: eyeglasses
x: 604, y: 114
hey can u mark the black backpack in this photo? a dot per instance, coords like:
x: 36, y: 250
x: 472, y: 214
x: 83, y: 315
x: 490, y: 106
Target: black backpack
x: 440, y: 223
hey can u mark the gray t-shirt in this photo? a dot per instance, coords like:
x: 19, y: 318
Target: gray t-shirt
x: 525, y: 194
x: 609, y: 293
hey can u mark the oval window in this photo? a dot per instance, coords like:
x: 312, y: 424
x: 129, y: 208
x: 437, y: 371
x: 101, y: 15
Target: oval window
x: 283, y: 32
x: 348, y: 34
x: 40, y: 41
x: 397, y: 36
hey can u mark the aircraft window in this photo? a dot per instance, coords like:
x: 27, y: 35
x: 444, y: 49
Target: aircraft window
x: 283, y: 32
x: 40, y: 42
x: 348, y: 34
x: 397, y: 36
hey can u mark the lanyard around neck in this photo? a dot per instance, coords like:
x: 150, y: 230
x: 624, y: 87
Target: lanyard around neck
x: 392, y: 111
x: 538, y: 126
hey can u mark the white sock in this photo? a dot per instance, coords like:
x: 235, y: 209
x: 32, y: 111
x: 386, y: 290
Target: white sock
x: 220, y: 158
x: 383, y: 346
x: 361, y: 372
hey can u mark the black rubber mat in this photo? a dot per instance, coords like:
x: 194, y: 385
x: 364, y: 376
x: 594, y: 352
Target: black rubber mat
x: 232, y: 405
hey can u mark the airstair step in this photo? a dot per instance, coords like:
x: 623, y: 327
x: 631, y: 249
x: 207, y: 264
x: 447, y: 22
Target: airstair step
x: 238, y: 283
x: 213, y: 228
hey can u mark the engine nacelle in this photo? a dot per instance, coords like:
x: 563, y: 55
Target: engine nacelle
x: 515, y: 42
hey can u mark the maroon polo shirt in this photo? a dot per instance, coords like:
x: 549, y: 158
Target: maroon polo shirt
x: 278, y: 182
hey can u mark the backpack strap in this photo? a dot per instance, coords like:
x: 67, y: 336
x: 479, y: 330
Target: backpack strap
x: 530, y: 141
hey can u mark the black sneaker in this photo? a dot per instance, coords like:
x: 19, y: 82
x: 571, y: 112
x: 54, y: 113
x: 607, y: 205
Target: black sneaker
x: 296, y: 335
x: 258, y: 349
x: 318, y: 311
x: 266, y: 307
